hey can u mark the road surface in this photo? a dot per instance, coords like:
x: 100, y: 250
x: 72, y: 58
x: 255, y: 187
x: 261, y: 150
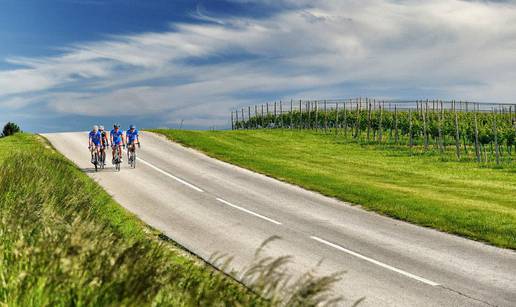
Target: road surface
x: 210, y: 206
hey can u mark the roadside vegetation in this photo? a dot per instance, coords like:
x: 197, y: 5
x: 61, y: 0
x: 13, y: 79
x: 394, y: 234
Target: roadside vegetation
x: 65, y: 242
x: 10, y: 129
x: 410, y: 184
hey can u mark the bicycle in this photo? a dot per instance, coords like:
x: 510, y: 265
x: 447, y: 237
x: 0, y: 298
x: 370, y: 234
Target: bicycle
x: 102, y: 157
x: 116, y: 159
x: 131, y: 154
x: 95, y: 157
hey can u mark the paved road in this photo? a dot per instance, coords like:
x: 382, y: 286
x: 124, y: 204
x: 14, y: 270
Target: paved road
x: 210, y: 206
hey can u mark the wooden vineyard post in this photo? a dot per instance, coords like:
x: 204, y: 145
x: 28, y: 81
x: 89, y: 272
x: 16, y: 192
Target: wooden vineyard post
x: 457, y: 136
x: 232, y: 123
x: 256, y: 116
x: 301, y: 117
x: 325, y: 118
x: 357, y: 122
x: 495, y: 133
x: 309, y: 108
x: 477, y: 145
x: 368, y: 120
x: 275, y: 114
x: 249, y: 117
x: 440, y: 130
x: 411, y: 141
x: 336, y: 118
x: 380, y: 124
x: 345, y: 122
x: 243, y: 120
x: 300, y: 122
x: 425, y: 132
x: 443, y: 136
x: 267, y: 109
x: 316, y: 115
x: 236, y: 120
x: 280, y: 114
x: 396, y: 133
x: 261, y: 118
x: 291, y: 113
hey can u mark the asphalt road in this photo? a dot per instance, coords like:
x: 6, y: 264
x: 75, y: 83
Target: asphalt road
x: 210, y: 206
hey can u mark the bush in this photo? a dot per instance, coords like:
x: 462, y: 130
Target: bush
x: 10, y: 129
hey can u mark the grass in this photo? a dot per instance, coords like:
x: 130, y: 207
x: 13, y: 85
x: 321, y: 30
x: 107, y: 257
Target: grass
x: 65, y: 242
x: 456, y: 197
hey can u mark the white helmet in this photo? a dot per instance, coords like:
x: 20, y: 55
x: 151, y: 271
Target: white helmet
x: 95, y: 128
x: 101, y: 128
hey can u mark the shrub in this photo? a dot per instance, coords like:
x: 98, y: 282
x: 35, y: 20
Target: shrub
x: 10, y: 129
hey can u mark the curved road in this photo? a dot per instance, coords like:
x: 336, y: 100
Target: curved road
x: 210, y: 206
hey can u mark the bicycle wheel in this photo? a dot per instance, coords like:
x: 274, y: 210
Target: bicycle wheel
x: 96, y: 161
x: 133, y: 159
x: 102, y: 159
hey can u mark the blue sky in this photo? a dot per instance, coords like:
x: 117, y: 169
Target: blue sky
x: 66, y: 64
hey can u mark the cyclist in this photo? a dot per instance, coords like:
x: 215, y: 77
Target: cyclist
x: 117, y: 141
x: 94, y: 141
x: 132, y: 138
x: 104, y: 142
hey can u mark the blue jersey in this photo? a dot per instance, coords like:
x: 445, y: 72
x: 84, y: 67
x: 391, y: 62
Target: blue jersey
x: 131, y: 136
x: 95, y: 137
x: 117, y: 136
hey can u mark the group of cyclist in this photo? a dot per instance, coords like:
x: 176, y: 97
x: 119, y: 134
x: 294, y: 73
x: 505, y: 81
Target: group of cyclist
x: 99, y: 140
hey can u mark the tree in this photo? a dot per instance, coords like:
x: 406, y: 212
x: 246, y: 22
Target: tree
x: 10, y: 129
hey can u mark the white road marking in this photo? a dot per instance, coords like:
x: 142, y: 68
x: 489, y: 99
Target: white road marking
x: 421, y: 279
x: 169, y: 175
x: 248, y: 211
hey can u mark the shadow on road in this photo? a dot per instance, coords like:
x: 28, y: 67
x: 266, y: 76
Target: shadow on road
x: 91, y: 170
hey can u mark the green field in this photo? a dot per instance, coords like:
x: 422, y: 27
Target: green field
x: 456, y: 197
x: 65, y: 242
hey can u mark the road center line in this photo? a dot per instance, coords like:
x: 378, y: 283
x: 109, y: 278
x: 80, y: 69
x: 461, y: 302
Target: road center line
x: 169, y: 175
x: 248, y: 211
x: 421, y: 279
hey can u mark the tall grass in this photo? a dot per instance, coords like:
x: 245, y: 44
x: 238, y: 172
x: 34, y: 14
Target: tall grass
x: 63, y: 243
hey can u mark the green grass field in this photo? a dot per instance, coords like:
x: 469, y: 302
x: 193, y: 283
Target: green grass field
x: 456, y: 197
x: 65, y: 242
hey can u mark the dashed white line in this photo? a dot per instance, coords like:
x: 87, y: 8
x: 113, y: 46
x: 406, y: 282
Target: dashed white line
x: 248, y: 211
x: 421, y: 279
x: 169, y: 175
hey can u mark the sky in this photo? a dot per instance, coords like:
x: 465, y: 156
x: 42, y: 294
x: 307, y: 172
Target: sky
x: 68, y: 64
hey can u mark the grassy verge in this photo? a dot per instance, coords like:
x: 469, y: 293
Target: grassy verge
x: 65, y: 242
x: 455, y: 197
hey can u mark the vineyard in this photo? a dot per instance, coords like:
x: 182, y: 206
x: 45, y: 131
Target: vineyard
x: 481, y: 131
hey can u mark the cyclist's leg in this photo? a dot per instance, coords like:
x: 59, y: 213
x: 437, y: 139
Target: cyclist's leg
x: 113, y: 150
x: 97, y: 148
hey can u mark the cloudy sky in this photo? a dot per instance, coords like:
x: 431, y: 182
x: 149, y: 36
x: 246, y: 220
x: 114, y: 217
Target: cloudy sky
x: 66, y: 64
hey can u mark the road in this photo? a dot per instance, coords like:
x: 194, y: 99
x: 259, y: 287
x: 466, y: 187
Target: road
x: 210, y: 206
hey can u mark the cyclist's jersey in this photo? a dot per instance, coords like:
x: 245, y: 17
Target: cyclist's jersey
x: 95, y: 137
x: 103, y: 138
x: 131, y: 136
x: 117, y: 136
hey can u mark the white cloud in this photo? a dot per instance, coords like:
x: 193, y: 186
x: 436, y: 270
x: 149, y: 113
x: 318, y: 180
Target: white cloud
x: 450, y: 48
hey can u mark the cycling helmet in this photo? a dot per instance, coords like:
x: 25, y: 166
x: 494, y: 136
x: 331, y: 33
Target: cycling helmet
x: 132, y: 127
x: 101, y: 128
x: 95, y: 128
x: 116, y: 126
